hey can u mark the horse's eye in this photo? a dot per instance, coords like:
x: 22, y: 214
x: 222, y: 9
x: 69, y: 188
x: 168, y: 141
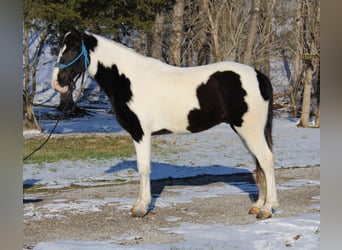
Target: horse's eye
x: 69, y: 52
x: 74, y: 49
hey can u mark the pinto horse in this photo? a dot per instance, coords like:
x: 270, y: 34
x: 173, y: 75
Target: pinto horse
x: 150, y: 97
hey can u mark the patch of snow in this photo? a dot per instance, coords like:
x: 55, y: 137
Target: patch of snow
x: 300, y: 232
x: 31, y: 133
x: 173, y: 218
x: 276, y: 233
x: 297, y: 183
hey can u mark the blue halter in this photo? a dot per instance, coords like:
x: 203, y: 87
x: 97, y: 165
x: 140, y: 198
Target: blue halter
x: 84, y: 53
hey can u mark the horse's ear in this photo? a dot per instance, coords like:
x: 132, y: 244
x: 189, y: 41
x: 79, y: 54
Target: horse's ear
x: 77, y: 32
x: 63, y: 29
x: 74, y: 30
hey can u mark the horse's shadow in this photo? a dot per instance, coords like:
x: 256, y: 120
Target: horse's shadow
x: 242, y: 179
x: 29, y: 183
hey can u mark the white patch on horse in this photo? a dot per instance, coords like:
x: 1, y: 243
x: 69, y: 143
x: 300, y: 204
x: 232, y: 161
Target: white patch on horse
x: 54, y: 80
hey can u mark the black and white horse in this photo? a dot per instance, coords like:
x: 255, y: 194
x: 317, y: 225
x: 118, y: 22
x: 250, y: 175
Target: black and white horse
x: 150, y: 97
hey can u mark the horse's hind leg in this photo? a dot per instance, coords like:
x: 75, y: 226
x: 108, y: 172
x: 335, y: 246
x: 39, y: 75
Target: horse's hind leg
x: 261, y: 181
x: 255, y: 141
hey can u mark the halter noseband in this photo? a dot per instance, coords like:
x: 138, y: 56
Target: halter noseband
x: 84, y: 53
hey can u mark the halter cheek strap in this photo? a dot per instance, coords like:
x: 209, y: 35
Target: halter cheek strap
x: 84, y: 53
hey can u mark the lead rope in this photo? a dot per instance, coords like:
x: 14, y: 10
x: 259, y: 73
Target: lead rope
x: 60, y: 117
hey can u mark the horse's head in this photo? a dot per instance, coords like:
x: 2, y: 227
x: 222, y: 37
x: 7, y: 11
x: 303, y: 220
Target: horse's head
x: 73, y: 60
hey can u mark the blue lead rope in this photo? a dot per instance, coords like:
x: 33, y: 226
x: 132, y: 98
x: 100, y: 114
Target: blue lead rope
x: 84, y: 53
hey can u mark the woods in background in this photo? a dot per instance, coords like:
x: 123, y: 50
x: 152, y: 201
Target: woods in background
x: 195, y: 32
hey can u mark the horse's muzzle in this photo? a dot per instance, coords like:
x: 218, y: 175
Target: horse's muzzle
x: 56, y: 86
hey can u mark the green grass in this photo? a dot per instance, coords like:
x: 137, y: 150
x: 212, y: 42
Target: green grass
x: 79, y: 148
x: 90, y: 146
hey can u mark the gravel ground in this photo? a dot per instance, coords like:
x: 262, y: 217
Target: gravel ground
x: 45, y: 221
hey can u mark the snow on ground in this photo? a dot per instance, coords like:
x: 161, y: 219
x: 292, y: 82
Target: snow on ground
x: 299, y: 232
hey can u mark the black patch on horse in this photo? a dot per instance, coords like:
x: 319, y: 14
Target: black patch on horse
x: 264, y: 86
x: 117, y: 88
x: 162, y: 132
x: 90, y: 42
x: 221, y: 99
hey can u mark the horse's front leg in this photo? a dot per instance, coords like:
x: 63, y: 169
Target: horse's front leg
x: 143, y: 151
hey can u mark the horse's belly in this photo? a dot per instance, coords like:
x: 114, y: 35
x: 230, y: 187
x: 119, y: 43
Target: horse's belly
x: 175, y: 123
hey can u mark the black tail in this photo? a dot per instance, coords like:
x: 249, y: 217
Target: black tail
x: 266, y: 90
x: 267, y: 93
x: 268, y: 127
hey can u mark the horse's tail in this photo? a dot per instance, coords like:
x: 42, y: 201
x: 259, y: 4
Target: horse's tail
x: 269, y: 121
x: 268, y: 95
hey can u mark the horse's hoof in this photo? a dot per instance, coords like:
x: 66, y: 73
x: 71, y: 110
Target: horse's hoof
x: 254, y: 210
x: 136, y: 212
x: 262, y: 215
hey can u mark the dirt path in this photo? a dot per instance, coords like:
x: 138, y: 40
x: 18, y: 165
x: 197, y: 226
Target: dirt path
x: 70, y: 214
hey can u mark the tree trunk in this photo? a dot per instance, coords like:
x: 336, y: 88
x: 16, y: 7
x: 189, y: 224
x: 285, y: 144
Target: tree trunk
x: 317, y: 94
x: 306, y: 105
x: 216, y: 43
x: 267, y: 8
x: 253, y: 25
x: 29, y: 120
x: 176, y: 36
x: 297, y: 64
x: 202, y: 43
x: 318, y: 117
x: 157, y: 39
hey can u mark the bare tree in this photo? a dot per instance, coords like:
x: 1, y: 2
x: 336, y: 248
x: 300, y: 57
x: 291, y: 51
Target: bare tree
x: 297, y: 72
x: 30, y: 80
x: 310, y: 31
x: 265, y: 44
x: 201, y: 44
x: 157, y: 37
x: 176, y: 36
x: 194, y: 34
x: 235, y: 19
x: 253, y: 24
x: 214, y: 11
x: 305, y: 115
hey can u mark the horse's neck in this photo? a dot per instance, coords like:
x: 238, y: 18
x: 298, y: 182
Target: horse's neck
x: 111, y: 67
x: 109, y: 53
